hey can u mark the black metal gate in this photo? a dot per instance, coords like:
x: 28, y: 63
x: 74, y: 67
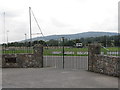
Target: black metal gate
x: 69, y: 58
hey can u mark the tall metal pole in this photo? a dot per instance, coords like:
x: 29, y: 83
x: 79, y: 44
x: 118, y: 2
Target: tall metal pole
x: 7, y: 36
x: 63, y: 51
x: 4, y: 27
x: 30, y: 26
x: 4, y: 34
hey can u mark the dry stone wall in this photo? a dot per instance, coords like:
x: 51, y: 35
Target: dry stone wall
x: 104, y: 64
x: 34, y: 60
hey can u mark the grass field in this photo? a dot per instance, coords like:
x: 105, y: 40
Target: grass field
x: 75, y: 50
x: 49, y: 51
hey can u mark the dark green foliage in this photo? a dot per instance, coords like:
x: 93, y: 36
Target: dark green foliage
x: 106, y: 41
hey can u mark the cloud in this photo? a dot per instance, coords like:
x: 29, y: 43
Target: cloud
x: 58, y: 23
x: 11, y: 13
x: 109, y: 24
x: 58, y: 16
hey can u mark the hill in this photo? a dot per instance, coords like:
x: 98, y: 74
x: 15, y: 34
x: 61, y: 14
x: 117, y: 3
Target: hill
x: 76, y: 36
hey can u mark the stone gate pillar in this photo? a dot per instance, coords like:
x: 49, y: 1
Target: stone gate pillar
x: 93, y: 49
x: 38, y: 54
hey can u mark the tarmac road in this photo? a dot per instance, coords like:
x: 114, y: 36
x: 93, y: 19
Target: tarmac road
x: 74, y: 75
x: 55, y: 78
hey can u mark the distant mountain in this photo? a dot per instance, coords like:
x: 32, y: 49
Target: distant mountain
x: 76, y: 36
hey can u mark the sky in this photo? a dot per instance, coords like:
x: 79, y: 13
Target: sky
x: 57, y: 17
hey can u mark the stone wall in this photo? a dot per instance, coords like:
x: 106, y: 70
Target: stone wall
x: 102, y: 63
x: 34, y: 60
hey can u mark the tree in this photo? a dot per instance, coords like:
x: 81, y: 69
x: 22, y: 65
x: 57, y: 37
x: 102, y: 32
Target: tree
x: 52, y: 42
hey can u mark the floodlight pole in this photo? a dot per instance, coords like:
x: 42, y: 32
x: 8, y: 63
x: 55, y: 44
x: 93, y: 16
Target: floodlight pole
x: 4, y: 27
x: 30, y: 26
x: 7, y: 36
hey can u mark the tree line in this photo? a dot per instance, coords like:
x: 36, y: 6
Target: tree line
x: 106, y: 41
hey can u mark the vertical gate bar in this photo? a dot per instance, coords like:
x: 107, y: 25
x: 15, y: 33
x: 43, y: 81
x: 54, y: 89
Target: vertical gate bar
x: 63, y: 51
x: 88, y: 62
x: 84, y: 62
x: 71, y: 65
x: 79, y: 62
x: 46, y: 61
x: 74, y: 59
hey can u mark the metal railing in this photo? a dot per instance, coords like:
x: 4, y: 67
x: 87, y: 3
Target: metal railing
x: 17, y: 50
x: 106, y: 51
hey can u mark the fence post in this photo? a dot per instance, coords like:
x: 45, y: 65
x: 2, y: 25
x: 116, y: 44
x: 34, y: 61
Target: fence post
x: 93, y: 49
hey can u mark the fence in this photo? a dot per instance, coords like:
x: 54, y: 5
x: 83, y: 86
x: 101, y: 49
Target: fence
x: 68, y: 51
x: 72, y: 51
x: 57, y: 51
x: 110, y: 52
x: 69, y: 58
x: 17, y: 50
x: 70, y: 62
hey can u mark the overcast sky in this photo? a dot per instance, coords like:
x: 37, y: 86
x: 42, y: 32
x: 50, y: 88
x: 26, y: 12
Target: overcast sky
x: 58, y: 17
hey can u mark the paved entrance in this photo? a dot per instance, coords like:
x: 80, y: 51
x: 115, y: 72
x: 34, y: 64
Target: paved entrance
x: 54, y: 78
